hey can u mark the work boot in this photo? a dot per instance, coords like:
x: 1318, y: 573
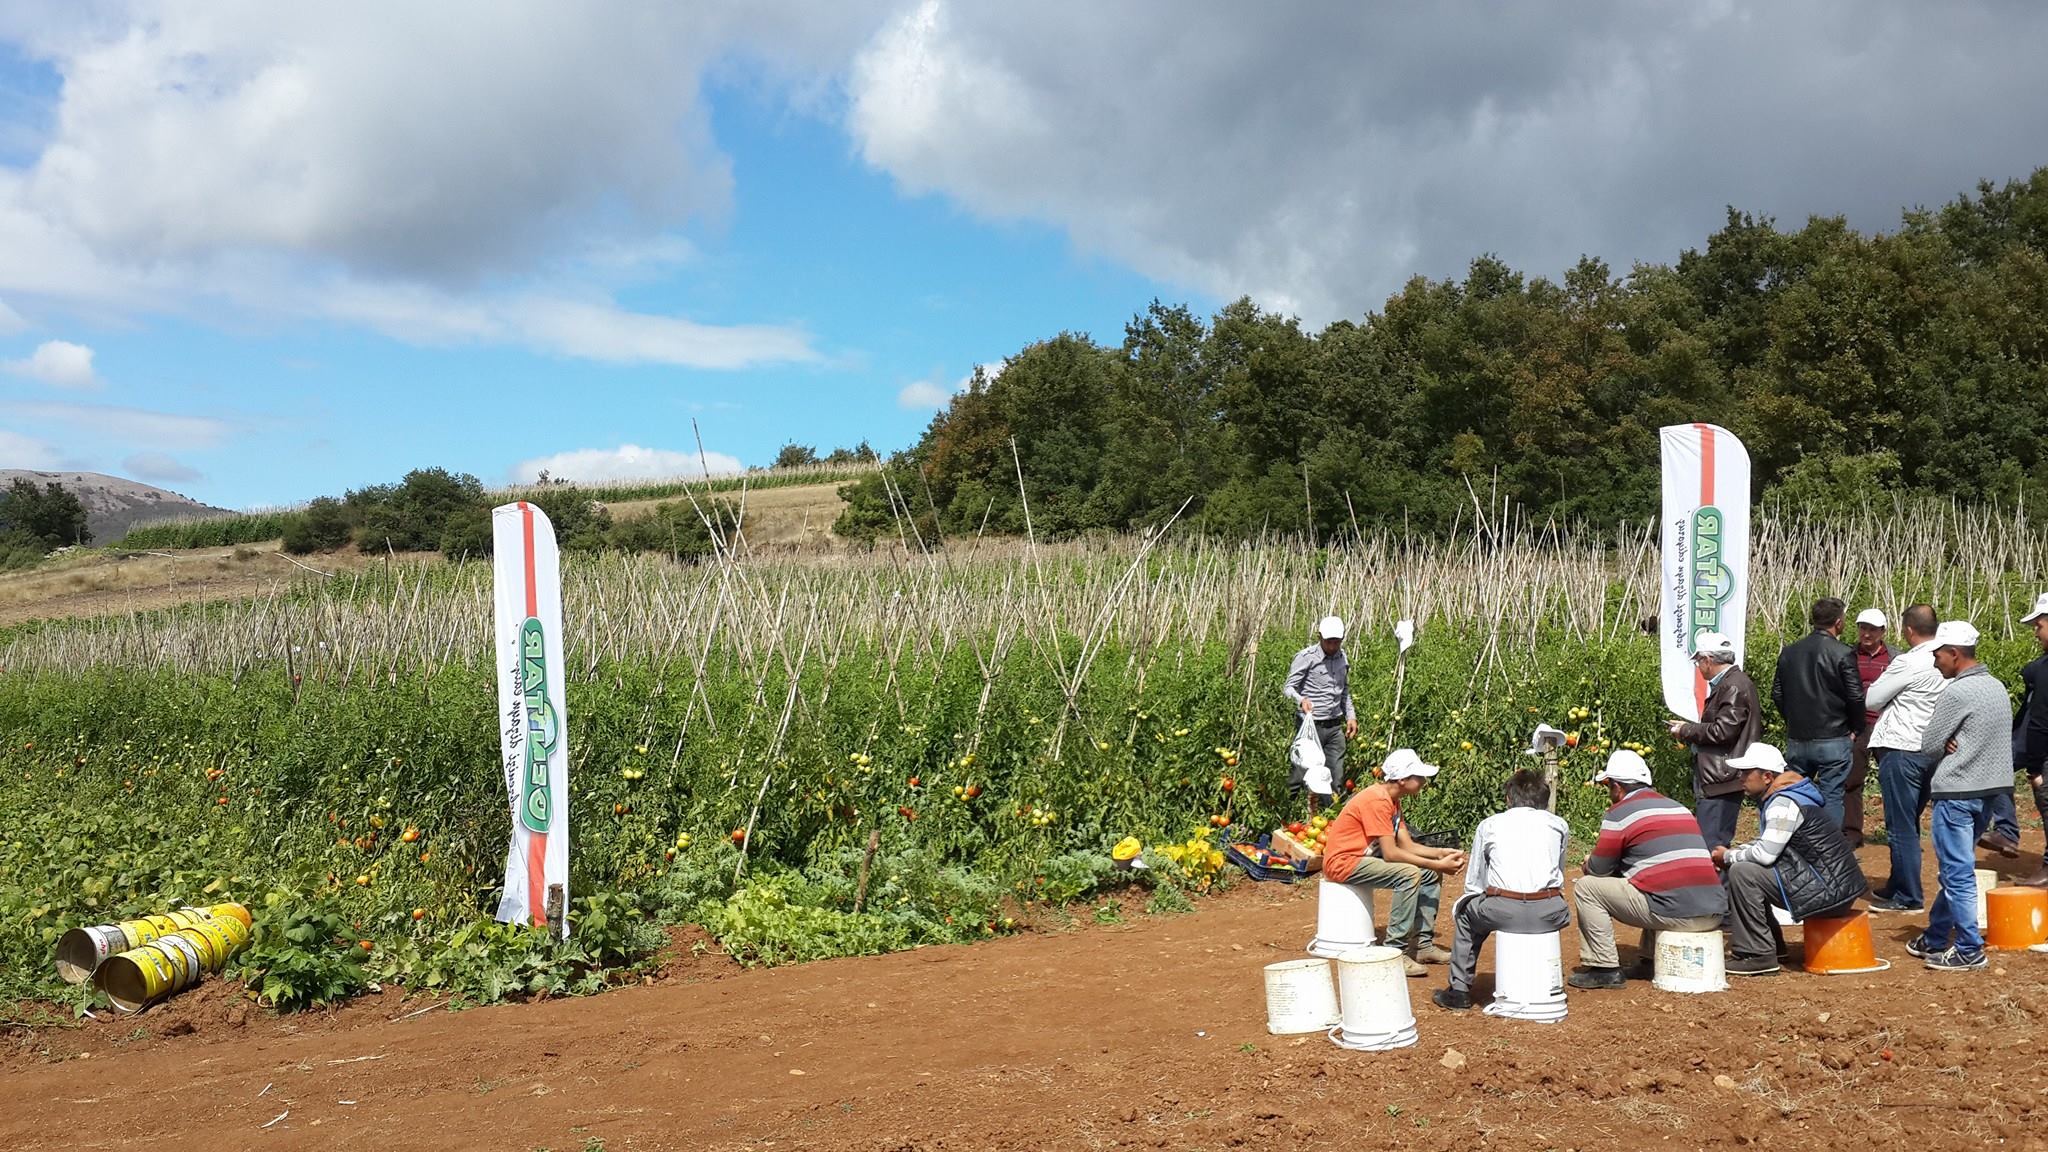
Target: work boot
x: 2000, y: 843
x: 1431, y: 954
x: 1594, y: 978
x: 1455, y: 999
x: 1413, y: 969
x: 2038, y: 879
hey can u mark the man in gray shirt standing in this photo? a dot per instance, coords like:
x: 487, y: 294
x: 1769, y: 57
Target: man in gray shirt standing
x: 1970, y: 737
x: 1319, y: 683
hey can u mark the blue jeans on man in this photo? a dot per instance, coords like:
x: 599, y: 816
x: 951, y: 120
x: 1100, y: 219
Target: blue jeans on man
x: 1902, y: 780
x: 1826, y: 763
x: 1952, y: 917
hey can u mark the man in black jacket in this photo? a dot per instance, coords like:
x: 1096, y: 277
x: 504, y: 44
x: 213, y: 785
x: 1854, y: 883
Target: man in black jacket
x: 1731, y: 721
x: 2030, y: 727
x: 1820, y: 694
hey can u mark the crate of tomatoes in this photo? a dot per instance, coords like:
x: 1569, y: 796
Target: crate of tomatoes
x: 1303, y: 842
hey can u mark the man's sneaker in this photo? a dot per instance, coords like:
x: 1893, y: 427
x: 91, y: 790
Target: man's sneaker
x: 1753, y: 966
x: 1891, y: 904
x: 2038, y: 879
x: 1455, y: 999
x: 1957, y: 960
x: 1431, y: 954
x: 1920, y: 948
x: 1593, y: 978
x: 1412, y: 968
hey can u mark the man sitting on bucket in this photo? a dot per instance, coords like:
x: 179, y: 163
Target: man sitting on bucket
x: 1650, y: 868
x: 1514, y: 881
x: 1799, y: 863
x: 1368, y: 846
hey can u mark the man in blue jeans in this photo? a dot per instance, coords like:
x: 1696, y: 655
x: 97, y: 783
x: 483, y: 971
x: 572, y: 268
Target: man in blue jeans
x: 1970, y: 736
x: 1819, y: 692
x: 1903, y: 698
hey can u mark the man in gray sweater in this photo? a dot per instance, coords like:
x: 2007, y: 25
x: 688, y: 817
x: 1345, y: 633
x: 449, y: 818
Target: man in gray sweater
x: 1970, y: 738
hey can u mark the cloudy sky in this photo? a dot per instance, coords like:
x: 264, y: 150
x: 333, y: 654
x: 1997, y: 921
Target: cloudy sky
x: 256, y: 252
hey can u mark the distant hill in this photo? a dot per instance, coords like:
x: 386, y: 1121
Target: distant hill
x: 114, y: 505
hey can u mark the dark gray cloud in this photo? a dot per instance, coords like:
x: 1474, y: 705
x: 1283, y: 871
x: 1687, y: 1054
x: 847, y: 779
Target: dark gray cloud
x: 1316, y: 155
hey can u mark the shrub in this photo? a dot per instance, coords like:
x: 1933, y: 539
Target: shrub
x: 322, y: 527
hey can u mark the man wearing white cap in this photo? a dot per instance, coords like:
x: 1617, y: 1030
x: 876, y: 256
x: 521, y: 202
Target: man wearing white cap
x: 1319, y: 683
x: 1731, y: 721
x: 1971, y: 733
x: 1650, y: 868
x: 1873, y: 656
x: 1369, y: 845
x: 2030, y: 726
x: 1798, y: 862
x: 2029, y: 748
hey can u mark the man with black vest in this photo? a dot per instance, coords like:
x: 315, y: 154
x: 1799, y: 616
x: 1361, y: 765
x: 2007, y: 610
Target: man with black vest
x: 1819, y: 692
x: 1799, y: 862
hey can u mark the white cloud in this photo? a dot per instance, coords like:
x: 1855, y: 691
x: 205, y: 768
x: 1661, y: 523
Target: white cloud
x: 57, y: 362
x: 10, y: 320
x: 18, y: 451
x: 162, y: 430
x: 626, y: 462
x: 509, y: 163
x: 1315, y: 156
x: 923, y: 394
x: 160, y: 468
x: 932, y: 394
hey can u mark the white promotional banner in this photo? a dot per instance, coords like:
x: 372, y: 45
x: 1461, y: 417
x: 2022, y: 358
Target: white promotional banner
x: 1706, y: 553
x: 533, y: 730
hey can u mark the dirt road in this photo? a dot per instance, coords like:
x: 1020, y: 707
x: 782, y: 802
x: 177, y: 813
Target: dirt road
x: 1148, y: 1034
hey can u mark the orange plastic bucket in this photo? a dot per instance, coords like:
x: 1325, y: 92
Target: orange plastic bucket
x: 2015, y: 917
x: 1841, y: 946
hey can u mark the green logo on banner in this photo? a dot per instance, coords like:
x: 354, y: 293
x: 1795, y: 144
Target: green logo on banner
x: 535, y: 805
x: 1712, y: 582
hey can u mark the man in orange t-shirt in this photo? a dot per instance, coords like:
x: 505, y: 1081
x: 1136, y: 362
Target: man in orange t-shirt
x: 1368, y: 846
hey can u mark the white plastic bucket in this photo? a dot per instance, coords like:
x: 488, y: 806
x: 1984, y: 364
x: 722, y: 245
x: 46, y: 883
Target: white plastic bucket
x: 1301, y: 997
x: 1690, y: 962
x: 1373, y: 986
x: 1986, y: 881
x: 1343, y: 920
x: 1528, y: 977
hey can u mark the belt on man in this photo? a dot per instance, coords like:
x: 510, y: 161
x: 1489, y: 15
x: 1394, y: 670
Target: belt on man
x: 1546, y: 894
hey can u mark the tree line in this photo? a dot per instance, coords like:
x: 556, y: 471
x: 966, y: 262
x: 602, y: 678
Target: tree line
x: 1856, y: 368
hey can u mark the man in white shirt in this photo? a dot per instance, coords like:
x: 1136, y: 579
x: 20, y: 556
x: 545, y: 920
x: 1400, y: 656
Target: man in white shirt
x: 1514, y: 881
x: 1903, y: 696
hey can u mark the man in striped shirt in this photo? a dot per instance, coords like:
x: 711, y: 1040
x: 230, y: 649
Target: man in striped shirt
x: 1650, y: 868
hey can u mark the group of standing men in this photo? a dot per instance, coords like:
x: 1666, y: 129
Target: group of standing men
x: 1938, y: 725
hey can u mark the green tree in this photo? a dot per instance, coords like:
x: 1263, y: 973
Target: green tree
x: 323, y: 527
x: 51, y: 515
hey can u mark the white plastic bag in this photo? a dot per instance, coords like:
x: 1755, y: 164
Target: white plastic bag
x: 1308, y: 756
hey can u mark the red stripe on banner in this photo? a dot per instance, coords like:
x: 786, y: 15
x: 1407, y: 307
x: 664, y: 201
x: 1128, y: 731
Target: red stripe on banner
x: 1706, y: 431
x: 536, y: 844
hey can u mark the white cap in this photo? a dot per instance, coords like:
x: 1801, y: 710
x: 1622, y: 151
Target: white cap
x: 1403, y: 762
x: 1707, y: 643
x: 1624, y: 766
x: 2040, y: 610
x: 1955, y: 632
x: 1761, y: 756
x: 1872, y: 617
x: 1332, y: 628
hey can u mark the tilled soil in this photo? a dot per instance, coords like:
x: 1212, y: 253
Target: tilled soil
x: 1148, y: 1034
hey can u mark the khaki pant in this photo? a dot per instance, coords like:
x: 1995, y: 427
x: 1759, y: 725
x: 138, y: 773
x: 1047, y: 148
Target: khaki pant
x: 1412, y: 919
x: 1602, y: 900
